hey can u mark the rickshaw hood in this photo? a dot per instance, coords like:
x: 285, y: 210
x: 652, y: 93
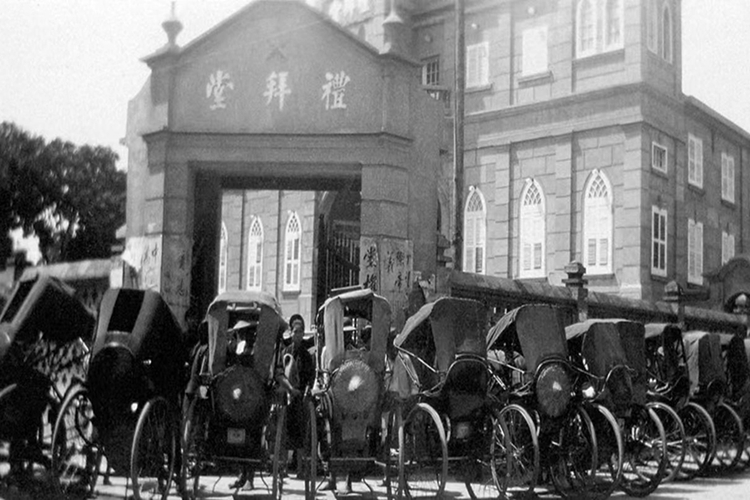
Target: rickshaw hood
x: 454, y: 326
x: 535, y: 330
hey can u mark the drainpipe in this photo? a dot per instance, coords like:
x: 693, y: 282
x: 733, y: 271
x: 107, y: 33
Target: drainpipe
x: 458, y: 132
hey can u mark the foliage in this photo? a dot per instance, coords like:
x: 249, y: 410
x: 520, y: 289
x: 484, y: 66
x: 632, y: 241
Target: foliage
x: 71, y: 197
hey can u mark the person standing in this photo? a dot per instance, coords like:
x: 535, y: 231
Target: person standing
x: 297, y: 378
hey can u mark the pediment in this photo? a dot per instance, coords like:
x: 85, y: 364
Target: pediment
x: 280, y: 66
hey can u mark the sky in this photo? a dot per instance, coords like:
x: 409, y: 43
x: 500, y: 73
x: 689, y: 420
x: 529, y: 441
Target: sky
x: 69, y: 67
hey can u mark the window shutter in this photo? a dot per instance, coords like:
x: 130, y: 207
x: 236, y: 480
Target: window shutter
x: 591, y: 261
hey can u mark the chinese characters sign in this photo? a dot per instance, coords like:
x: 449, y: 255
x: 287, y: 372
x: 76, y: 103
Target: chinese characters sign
x: 386, y: 268
x: 277, y: 88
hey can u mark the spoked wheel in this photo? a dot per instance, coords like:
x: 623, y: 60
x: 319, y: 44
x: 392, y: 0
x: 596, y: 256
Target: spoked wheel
x: 587, y: 456
x: 513, y: 455
x: 423, y: 454
x: 645, y: 460
x: 700, y: 441
x: 152, y: 456
x: 730, y: 438
x: 674, y: 431
x: 311, y: 451
x: 193, y: 436
x: 278, y: 462
x: 75, y: 454
x: 477, y: 468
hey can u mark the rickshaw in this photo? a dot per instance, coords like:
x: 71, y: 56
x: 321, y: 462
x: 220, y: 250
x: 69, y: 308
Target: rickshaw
x: 347, y: 404
x: 708, y: 385
x: 633, y: 339
x: 451, y: 417
x: 125, y: 414
x: 737, y: 369
x: 43, y: 335
x: 669, y: 383
x: 596, y: 347
x: 235, y: 417
x: 528, y: 351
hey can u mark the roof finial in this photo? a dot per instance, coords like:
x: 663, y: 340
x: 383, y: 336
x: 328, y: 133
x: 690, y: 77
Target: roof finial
x: 172, y: 26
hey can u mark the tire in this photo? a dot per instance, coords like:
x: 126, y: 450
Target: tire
x: 512, y: 460
x: 700, y: 441
x: 192, y: 436
x: 423, y: 454
x: 279, y: 451
x: 674, y: 431
x: 586, y: 460
x: 311, y: 448
x: 645, y: 460
x: 152, y: 456
x: 730, y: 438
x: 75, y: 454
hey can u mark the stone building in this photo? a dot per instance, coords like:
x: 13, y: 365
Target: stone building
x: 580, y: 144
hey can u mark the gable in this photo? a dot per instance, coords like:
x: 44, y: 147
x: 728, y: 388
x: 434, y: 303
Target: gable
x: 277, y: 67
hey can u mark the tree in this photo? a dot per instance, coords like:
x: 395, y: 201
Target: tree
x: 72, y: 198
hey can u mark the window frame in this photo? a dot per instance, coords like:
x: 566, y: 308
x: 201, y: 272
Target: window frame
x: 695, y: 161
x: 532, y: 31
x: 608, y: 46
x: 292, y: 266
x: 695, y: 252
x: 580, y: 52
x: 480, y: 241
x: 654, y: 147
x: 662, y: 243
x: 426, y: 72
x: 255, y: 243
x: 665, y: 41
x: 596, y: 214
x: 221, y: 281
x: 527, y: 234
x: 728, y: 247
x: 728, y: 174
x: 482, y: 51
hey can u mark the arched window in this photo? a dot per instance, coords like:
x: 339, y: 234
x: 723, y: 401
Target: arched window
x: 255, y: 255
x: 292, y: 253
x: 597, y: 225
x: 223, y: 258
x: 532, y: 231
x: 475, y: 223
x: 665, y: 34
x: 613, y: 24
x: 652, y: 24
x: 586, y: 32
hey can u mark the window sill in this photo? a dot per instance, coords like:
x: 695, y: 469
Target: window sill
x: 612, y: 55
x: 292, y: 292
x: 661, y: 278
x: 728, y: 203
x: 478, y: 88
x: 535, y: 79
x: 600, y: 276
x: 660, y: 173
x: 696, y: 188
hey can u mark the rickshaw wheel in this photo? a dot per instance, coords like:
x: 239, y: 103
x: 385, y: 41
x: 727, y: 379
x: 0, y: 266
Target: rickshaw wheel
x: 674, y: 431
x: 730, y: 437
x: 645, y: 461
x: 700, y: 441
x: 587, y: 457
x: 423, y: 454
x: 75, y: 454
x: 312, y: 452
x: 192, y: 442
x: 277, y: 461
x: 514, y: 452
x: 152, y: 457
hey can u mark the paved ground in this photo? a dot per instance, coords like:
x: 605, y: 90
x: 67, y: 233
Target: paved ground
x: 727, y: 488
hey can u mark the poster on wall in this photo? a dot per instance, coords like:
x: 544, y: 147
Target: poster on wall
x: 386, y: 267
x: 142, y: 256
